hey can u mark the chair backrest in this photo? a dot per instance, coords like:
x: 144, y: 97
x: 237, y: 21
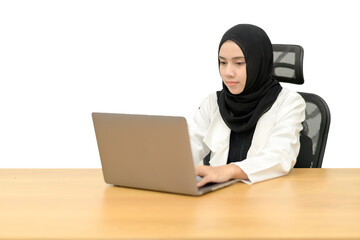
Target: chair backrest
x: 316, y: 128
x: 288, y: 63
x: 288, y: 67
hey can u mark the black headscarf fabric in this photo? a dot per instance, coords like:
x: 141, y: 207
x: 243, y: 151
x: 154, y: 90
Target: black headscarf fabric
x: 241, y: 112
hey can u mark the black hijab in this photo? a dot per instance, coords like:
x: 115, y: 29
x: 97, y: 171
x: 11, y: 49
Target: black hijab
x: 241, y: 112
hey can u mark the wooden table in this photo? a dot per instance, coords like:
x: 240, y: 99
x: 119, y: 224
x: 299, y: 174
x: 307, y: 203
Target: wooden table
x: 77, y: 204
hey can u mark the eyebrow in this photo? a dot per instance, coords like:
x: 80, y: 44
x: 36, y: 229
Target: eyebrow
x: 239, y: 57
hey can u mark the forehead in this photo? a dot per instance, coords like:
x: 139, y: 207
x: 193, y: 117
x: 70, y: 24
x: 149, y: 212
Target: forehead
x: 230, y: 49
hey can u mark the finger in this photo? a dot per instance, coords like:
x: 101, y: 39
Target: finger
x: 203, y: 181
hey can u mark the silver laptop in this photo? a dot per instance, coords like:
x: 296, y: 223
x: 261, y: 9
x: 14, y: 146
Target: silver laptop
x: 148, y: 152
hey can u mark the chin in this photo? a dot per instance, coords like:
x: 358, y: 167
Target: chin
x: 234, y: 92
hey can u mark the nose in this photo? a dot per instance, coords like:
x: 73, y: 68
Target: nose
x: 229, y: 71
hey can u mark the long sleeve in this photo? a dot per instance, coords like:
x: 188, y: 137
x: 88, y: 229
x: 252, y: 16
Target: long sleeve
x: 198, y: 129
x: 278, y: 154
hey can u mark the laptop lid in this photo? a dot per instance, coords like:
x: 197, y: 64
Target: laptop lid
x: 148, y: 152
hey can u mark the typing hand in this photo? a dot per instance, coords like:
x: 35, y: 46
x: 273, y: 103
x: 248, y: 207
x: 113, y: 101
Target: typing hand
x: 218, y: 174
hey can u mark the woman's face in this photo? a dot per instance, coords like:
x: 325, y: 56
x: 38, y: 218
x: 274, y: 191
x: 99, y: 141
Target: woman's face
x: 232, y: 67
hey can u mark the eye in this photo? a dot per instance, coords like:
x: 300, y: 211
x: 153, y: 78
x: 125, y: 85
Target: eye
x: 240, y: 63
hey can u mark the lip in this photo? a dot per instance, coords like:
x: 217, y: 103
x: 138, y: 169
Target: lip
x: 231, y: 83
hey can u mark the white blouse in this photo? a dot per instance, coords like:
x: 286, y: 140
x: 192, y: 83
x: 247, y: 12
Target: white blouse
x: 275, y: 144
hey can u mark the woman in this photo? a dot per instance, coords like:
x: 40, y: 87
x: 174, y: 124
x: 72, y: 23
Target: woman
x: 251, y: 127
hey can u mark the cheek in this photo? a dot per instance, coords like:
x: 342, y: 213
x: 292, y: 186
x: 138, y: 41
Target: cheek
x: 242, y: 74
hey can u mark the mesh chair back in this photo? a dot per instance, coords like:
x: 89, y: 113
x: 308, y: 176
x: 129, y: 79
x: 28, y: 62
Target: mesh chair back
x: 314, y: 135
x: 288, y: 63
x: 288, y: 67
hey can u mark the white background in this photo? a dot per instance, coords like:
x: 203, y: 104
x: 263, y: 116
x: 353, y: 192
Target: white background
x: 62, y: 60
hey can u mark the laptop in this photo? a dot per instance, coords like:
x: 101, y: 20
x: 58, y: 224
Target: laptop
x: 148, y: 152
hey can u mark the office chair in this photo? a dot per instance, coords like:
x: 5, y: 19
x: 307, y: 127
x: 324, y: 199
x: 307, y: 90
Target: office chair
x: 288, y: 67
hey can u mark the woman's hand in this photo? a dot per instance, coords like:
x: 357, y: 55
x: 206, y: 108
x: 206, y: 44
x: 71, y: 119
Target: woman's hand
x: 218, y: 174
